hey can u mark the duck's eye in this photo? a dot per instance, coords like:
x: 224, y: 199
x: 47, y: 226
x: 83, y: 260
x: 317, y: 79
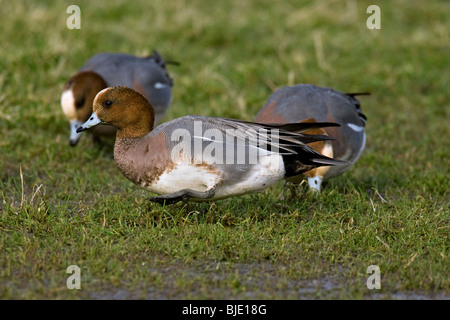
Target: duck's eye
x: 108, y: 103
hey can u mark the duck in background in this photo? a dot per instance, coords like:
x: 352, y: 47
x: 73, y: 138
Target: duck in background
x: 308, y: 103
x: 147, y: 75
x: 201, y: 158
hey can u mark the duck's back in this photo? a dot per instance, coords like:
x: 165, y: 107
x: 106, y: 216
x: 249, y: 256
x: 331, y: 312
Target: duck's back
x: 302, y: 101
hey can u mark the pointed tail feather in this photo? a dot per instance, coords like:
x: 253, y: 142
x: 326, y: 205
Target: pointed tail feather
x: 306, y: 159
x: 358, y: 94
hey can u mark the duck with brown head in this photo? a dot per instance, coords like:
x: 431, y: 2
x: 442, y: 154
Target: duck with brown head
x: 147, y: 75
x: 309, y: 103
x: 189, y: 157
x: 77, y: 98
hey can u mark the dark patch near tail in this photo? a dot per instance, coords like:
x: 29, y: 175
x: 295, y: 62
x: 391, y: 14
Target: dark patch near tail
x: 162, y: 63
x: 305, y: 160
x: 358, y: 94
x: 358, y: 104
x: 159, y: 60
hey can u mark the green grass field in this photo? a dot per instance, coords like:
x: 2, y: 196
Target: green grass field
x: 62, y: 206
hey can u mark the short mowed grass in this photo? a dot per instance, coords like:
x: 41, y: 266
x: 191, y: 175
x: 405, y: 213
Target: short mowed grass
x: 62, y: 206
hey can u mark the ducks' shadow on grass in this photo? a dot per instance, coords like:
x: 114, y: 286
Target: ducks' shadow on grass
x: 104, y: 146
x: 97, y: 147
x: 233, y: 211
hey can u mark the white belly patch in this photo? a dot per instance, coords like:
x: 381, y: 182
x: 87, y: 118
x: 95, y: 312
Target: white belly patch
x: 185, y: 176
x: 202, y: 178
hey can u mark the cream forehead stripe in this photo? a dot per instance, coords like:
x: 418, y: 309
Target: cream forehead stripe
x: 101, y: 92
x: 68, y: 105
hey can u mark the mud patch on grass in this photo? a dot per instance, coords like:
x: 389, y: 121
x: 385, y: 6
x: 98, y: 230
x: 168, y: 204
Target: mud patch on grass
x: 247, y: 281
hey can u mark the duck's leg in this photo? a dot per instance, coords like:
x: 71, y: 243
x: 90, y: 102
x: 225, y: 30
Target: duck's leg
x: 184, y: 194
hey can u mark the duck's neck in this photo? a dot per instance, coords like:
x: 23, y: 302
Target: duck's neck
x: 142, y: 160
x: 129, y: 133
x: 138, y: 124
x: 124, y: 154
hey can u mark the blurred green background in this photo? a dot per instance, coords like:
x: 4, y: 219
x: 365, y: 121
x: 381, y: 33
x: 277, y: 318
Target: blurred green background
x: 61, y: 206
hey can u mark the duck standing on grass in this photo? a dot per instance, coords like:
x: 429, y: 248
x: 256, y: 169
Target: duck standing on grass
x: 201, y: 158
x: 147, y: 75
x: 309, y: 103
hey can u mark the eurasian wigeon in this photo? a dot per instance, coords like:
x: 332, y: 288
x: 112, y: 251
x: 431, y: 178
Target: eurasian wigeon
x: 147, y: 75
x: 201, y: 158
x: 309, y: 103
